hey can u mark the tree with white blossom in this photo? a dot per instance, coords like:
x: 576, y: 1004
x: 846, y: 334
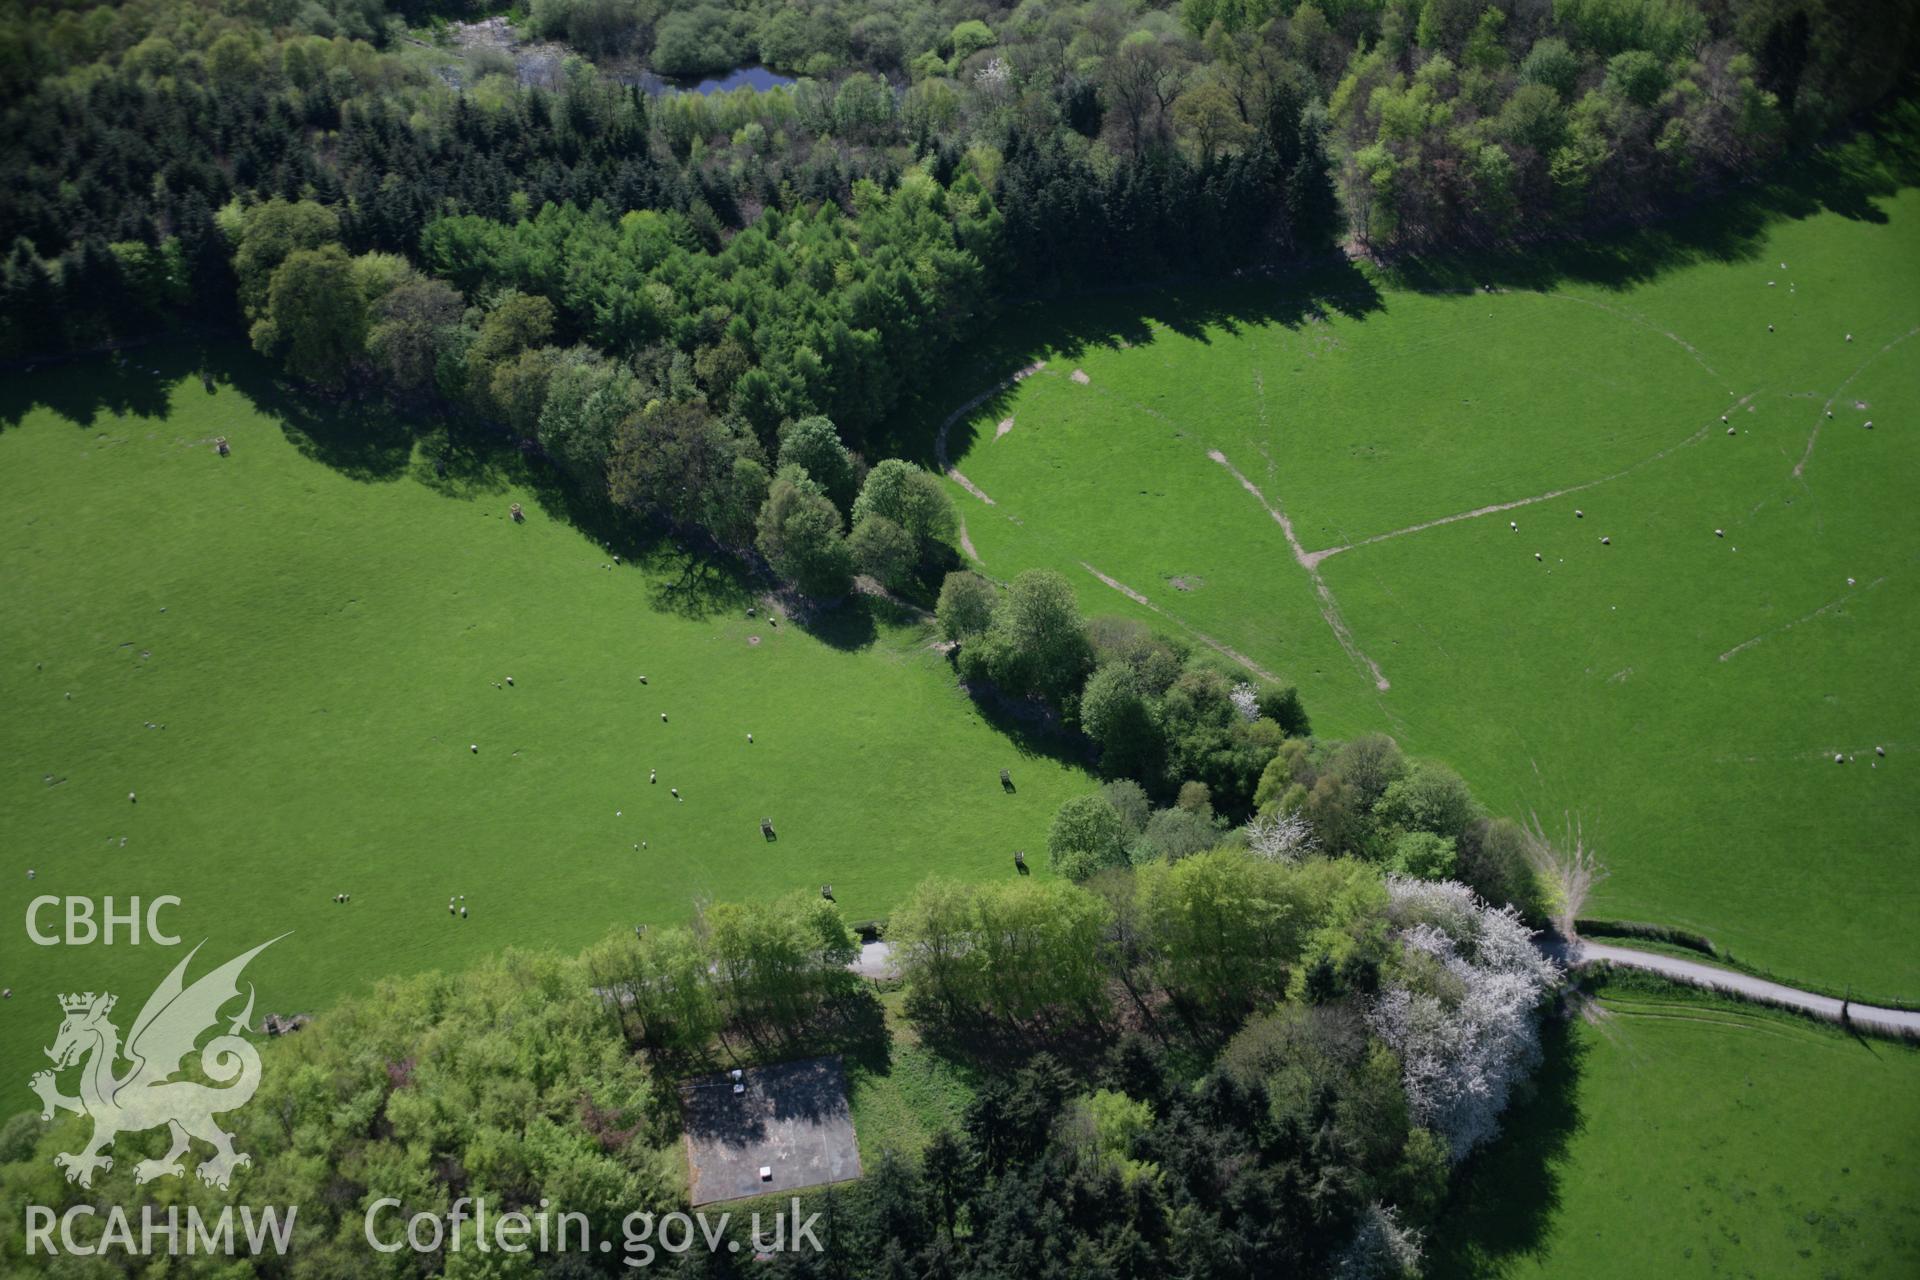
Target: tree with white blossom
x: 1246, y: 701
x: 1464, y: 1043
x: 1382, y: 1249
x: 1281, y: 837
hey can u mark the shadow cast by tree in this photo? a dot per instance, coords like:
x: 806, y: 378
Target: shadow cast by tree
x: 1063, y: 329
x: 1506, y: 1195
x: 1728, y: 226
x: 363, y: 440
x: 85, y: 389
x: 1846, y: 177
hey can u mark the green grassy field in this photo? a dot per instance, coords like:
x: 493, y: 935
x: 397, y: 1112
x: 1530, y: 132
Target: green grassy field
x: 319, y: 622
x: 1681, y: 1136
x: 1682, y: 689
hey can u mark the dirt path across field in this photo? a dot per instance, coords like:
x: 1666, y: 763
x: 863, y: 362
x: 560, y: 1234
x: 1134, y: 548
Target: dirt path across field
x: 1315, y: 557
x: 1828, y: 607
x: 1639, y: 320
x: 1814, y: 438
x: 940, y: 438
x: 1329, y: 607
x: 1224, y: 650
x: 966, y: 544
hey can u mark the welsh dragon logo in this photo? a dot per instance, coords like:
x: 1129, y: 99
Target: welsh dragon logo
x: 145, y: 1096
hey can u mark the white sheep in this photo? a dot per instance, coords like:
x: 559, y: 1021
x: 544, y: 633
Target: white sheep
x: 474, y: 747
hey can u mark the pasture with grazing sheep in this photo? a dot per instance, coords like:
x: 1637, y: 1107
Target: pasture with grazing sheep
x: 320, y: 640
x: 1321, y: 480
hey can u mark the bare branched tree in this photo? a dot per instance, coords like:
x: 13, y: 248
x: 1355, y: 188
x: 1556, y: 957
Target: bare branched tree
x: 1567, y: 867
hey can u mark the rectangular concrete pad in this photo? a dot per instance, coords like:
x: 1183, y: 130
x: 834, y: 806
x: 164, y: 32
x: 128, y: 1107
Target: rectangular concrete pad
x: 793, y: 1118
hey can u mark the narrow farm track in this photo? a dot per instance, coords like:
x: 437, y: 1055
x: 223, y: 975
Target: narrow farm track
x: 1329, y: 607
x: 1634, y: 318
x: 1800, y: 467
x: 1893, y: 1022
x: 1201, y: 636
x: 952, y: 472
x: 1315, y: 557
x: 1823, y: 610
x: 1754, y: 1023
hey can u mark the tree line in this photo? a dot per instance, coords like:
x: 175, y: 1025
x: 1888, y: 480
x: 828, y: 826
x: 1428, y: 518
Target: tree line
x: 655, y: 292
x: 1061, y: 145
x: 1197, y: 755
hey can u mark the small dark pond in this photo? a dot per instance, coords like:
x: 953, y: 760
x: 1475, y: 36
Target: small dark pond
x: 758, y: 79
